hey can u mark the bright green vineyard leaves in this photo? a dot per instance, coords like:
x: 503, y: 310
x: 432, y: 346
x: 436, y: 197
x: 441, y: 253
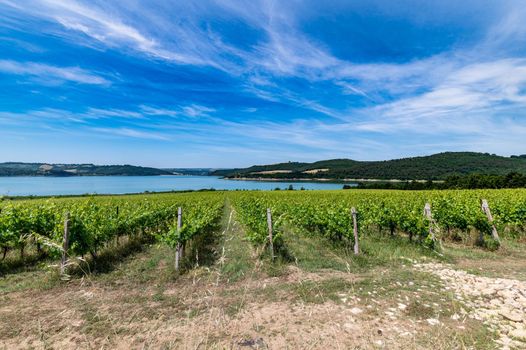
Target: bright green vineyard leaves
x: 96, y: 221
x: 327, y: 213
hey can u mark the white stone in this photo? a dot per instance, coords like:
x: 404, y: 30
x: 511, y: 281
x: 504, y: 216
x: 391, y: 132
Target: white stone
x: 356, y: 311
x: 495, y: 302
x: 433, y: 321
x: 510, y: 315
x: 350, y: 326
x: 519, y: 334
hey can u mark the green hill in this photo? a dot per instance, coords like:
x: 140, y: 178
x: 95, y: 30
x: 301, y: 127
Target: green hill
x: 44, y: 169
x: 433, y: 167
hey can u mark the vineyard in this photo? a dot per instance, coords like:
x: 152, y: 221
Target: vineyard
x: 96, y: 222
x: 454, y: 213
x: 275, y: 269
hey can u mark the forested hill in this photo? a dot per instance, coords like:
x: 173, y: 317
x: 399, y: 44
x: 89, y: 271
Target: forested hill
x: 434, y: 167
x: 43, y: 169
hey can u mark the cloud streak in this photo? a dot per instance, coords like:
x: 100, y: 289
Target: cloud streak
x: 461, y: 103
x: 363, y: 79
x: 133, y: 133
x: 52, y: 74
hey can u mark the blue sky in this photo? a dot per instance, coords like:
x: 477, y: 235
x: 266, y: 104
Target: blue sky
x: 235, y: 83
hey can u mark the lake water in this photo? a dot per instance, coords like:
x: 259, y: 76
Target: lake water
x: 47, y: 186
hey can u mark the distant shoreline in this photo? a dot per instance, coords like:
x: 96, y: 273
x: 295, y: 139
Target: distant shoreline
x: 261, y: 179
x: 95, y: 175
x: 321, y: 180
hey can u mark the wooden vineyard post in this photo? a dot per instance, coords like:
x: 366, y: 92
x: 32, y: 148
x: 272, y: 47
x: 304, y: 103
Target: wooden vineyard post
x: 432, y: 224
x: 178, y: 249
x: 5, y: 248
x: 65, y: 246
x: 269, y: 224
x: 117, y: 236
x: 427, y: 213
x: 355, y: 231
x: 487, y: 211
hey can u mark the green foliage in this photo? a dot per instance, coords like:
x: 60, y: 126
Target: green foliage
x: 327, y: 213
x: 489, y: 243
x: 94, y: 222
x: 199, y: 216
x: 435, y: 167
x: 471, y: 181
x: 97, y: 221
x: 34, y: 169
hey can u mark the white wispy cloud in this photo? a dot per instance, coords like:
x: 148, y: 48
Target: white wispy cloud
x: 155, y: 111
x: 41, y: 117
x: 96, y: 113
x: 134, y: 133
x: 466, y: 99
x: 52, y: 74
x: 351, y: 89
x: 179, y: 38
x: 195, y: 110
x: 509, y: 29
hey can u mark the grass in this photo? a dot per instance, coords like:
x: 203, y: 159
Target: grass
x: 507, y: 262
x: 315, y: 253
x: 113, y: 265
x: 42, y: 273
x: 37, y: 279
x: 473, y: 336
x: 236, y: 256
x: 318, y: 292
x: 135, y: 287
x: 153, y: 265
x: 112, y: 256
x: 14, y: 263
x: 95, y: 323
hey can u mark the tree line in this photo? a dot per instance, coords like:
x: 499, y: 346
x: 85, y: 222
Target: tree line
x: 471, y: 181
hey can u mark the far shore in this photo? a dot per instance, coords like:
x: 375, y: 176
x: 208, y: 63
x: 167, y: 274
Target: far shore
x: 271, y: 179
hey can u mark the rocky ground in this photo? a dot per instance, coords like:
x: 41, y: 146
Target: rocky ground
x: 499, y: 303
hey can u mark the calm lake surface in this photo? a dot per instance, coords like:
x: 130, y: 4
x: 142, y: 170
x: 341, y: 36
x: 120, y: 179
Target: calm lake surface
x: 47, y: 186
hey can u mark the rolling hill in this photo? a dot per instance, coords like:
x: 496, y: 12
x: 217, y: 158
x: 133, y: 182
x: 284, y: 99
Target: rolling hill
x: 44, y: 169
x: 434, y: 167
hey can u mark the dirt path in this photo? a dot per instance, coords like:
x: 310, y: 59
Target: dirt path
x: 498, y: 302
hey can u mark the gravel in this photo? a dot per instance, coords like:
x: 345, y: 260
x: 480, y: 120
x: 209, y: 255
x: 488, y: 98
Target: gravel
x: 499, y: 303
